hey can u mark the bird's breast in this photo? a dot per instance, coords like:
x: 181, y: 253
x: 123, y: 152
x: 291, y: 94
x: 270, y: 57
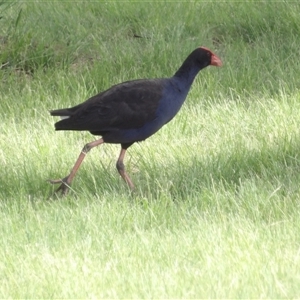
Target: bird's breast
x: 170, y: 104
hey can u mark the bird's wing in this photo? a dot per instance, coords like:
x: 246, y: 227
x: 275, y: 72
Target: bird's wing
x: 127, y: 105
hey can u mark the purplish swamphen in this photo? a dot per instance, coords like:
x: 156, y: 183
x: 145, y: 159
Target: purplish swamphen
x: 131, y: 111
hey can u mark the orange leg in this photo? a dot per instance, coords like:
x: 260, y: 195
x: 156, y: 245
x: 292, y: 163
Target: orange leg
x: 66, y: 182
x: 121, y: 169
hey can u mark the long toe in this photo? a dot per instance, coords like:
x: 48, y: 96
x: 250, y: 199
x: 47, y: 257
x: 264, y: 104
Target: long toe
x: 64, y: 187
x: 55, y: 181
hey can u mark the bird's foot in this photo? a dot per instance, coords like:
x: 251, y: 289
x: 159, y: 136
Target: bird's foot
x: 64, y: 187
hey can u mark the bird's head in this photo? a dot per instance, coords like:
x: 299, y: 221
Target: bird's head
x: 207, y: 58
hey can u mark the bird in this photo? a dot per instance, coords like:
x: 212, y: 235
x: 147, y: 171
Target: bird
x: 131, y: 111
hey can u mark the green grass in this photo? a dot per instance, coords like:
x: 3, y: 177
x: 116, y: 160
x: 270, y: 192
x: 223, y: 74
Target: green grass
x: 216, y: 210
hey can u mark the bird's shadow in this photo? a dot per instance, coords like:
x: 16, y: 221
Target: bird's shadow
x: 273, y: 167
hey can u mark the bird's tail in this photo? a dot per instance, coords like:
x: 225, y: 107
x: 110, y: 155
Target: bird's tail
x: 62, y: 113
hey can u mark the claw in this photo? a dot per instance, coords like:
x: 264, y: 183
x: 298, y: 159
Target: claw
x: 64, y: 187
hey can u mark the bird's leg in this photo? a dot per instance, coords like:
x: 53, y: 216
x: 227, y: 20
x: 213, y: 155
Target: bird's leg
x: 66, y: 182
x: 121, y: 169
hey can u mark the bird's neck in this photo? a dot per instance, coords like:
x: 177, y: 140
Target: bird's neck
x: 186, y: 74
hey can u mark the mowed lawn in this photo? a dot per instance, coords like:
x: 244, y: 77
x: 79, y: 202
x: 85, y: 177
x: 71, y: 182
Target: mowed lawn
x: 216, y: 211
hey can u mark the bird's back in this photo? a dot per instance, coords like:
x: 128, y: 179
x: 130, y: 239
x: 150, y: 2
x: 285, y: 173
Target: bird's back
x: 127, y: 105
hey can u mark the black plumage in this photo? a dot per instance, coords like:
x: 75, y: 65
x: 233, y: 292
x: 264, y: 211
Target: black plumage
x: 131, y: 111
